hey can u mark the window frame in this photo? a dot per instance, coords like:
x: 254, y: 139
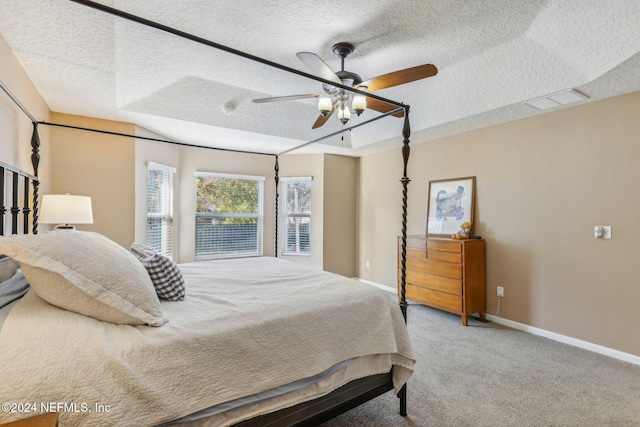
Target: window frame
x: 286, y: 215
x: 259, y: 216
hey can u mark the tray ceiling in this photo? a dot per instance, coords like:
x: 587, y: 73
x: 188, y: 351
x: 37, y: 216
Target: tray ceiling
x: 491, y: 56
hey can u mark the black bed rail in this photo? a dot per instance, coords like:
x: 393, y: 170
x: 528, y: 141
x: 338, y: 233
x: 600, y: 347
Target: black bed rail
x: 10, y: 178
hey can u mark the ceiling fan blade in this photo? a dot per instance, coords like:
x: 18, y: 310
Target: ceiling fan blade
x: 383, y: 107
x: 318, y: 67
x: 322, y: 119
x: 400, y: 77
x: 285, y: 98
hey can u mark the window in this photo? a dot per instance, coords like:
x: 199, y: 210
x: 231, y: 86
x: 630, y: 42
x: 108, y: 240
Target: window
x: 297, y: 216
x: 160, y: 208
x: 228, y: 215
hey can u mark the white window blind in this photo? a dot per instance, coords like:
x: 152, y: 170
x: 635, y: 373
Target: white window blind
x: 160, y: 208
x: 297, y: 215
x: 229, y: 215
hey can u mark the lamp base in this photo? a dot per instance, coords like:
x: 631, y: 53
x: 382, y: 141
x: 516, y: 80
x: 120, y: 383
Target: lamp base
x: 64, y: 227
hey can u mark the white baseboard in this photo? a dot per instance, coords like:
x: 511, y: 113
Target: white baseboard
x: 620, y: 355
x: 616, y: 354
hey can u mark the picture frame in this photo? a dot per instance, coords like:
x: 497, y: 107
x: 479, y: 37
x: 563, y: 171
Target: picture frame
x: 450, y: 203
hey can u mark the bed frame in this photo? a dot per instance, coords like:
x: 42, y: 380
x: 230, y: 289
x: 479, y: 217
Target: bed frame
x: 323, y: 409
x: 11, y: 181
x: 309, y: 413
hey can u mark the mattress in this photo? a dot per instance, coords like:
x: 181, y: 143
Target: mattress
x: 245, y: 327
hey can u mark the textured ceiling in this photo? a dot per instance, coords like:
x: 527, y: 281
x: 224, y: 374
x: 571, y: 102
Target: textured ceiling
x: 491, y: 56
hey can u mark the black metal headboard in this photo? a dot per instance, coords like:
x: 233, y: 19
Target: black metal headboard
x: 15, y: 182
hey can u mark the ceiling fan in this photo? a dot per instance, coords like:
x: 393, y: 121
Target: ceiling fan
x: 344, y: 102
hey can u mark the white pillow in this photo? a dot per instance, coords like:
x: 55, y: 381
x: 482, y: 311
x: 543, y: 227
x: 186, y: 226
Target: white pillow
x: 8, y: 268
x: 87, y: 273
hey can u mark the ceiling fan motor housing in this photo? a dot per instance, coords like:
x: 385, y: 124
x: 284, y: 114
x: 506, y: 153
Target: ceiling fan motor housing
x: 348, y: 79
x: 342, y: 50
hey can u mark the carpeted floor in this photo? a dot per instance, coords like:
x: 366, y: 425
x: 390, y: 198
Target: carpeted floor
x: 490, y: 375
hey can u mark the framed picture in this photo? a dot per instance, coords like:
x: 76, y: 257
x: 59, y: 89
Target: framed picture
x: 451, y: 203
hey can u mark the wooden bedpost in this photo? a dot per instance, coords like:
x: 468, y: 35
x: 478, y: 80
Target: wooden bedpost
x: 277, y: 179
x: 35, y: 161
x: 406, y: 132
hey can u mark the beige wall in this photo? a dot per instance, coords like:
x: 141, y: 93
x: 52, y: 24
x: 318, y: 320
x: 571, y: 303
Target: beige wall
x: 339, y: 233
x: 112, y: 170
x: 15, y: 126
x: 543, y: 183
x: 333, y: 218
x: 100, y: 166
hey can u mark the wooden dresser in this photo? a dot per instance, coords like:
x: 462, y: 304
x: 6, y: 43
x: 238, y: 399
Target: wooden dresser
x: 448, y: 274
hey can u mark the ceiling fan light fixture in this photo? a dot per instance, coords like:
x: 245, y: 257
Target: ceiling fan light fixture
x: 359, y: 104
x: 344, y: 114
x: 324, y: 105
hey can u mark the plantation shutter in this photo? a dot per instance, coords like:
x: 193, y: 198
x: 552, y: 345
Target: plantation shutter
x: 297, y: 215
x: 160, y: 208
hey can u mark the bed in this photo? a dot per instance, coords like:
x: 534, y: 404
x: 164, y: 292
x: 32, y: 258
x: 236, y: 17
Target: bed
x: 270, y: 367
x: 255, y: 342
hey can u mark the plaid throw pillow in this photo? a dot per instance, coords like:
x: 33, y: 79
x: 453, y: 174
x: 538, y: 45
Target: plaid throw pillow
x: 164, y: 273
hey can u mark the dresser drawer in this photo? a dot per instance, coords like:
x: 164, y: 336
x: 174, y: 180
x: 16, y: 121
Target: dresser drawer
x: 434, y: 298
x: 438, y: 268
x: 414, y: 253
x: 414, y: 242
x: 438, y: 283
x: 445, y: 256
x: 444, y: 245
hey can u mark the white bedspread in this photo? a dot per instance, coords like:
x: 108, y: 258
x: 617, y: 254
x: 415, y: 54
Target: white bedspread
x: 244, y: 327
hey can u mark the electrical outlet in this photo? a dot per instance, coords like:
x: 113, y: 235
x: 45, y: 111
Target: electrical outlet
x: 368, y: 264
x: 500, y: 291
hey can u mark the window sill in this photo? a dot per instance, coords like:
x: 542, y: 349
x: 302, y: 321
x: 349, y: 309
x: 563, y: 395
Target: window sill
x: 226, y: 256
x: 295, y: 254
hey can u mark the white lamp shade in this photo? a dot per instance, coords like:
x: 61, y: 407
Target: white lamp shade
x: 359, y: 103
x: 65, y: 209
x: 344, y: 113
x: 324, y: 104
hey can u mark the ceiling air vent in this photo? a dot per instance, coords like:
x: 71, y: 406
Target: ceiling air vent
x: 556, y: 100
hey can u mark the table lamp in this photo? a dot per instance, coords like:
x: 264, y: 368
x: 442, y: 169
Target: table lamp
x: 65, y: 210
